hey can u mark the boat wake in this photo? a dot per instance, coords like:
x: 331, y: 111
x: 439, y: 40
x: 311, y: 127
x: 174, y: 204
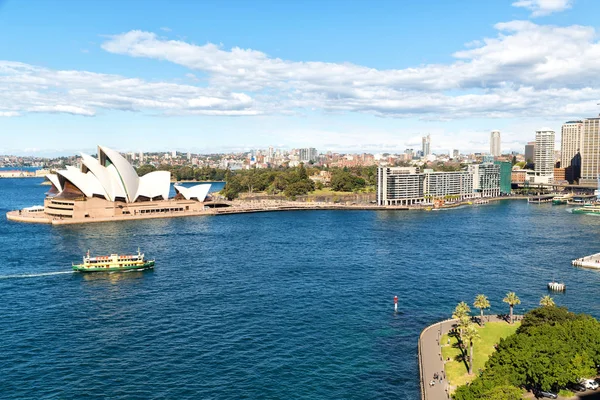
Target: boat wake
x: 35, y: 275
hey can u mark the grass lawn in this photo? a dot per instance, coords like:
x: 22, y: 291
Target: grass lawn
x: 456, y: 369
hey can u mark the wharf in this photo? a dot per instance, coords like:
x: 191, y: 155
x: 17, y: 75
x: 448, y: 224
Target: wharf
x: 540, y: 199
x: 592, y: 261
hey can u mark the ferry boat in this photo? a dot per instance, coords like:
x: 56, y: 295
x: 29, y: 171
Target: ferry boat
x: 113, y: 263
x: 562, y: 199
x: 587, y: 209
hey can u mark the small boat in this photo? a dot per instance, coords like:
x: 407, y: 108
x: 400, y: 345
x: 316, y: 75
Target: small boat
x: 113, y: 263
x: 556, y: 286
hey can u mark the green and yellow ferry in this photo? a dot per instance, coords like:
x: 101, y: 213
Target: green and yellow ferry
x: 113, y: 263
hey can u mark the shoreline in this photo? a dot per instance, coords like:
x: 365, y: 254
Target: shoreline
x: 237, y: 207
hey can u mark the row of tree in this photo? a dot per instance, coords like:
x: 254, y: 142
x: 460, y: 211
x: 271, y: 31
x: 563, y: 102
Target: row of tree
x: 551, y: 349
x: 185, y: 173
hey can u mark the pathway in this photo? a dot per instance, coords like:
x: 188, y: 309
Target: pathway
x: 430, y: 358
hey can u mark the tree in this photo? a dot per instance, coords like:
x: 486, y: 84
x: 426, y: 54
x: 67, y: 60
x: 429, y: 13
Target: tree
x: 462, y: 312
x: 512, y: 300
x: 469, y: 335
x: 145, y: 169
x: 547, y: 301
x: 504, y: 392
x: 481, y: 302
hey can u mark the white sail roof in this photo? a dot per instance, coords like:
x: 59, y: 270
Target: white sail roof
x: 197, y: 192
x: 112, y: 177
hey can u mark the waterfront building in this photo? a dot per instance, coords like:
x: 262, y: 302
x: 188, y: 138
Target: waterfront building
x: 495, y: 149
x: 408, y: 186
x: 110, y: 187
x: 486, y: 179
x: 529, y: 152
x: 560, y: 175
x: 519, y: 176
x: 455, y: 185
x: 426, y: 146
x: 544, y: 156
x: 505, y: 176
x: 590, y: 151
x: 570, y: 149
x: 399, y: 186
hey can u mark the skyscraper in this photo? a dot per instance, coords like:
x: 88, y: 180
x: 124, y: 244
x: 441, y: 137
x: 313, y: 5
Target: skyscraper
x: 495, y: 144
x: 426, y: 146
x: 544, y: 156
x: 590, y: 151
x: 570, y: 149
x: 529, y: 152
x: 308, y: 154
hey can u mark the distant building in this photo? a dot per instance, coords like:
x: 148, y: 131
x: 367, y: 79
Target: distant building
x: 505, y: 176
x: 426, y: 149
x: 544, y: 156
x: 570, y: 147
x: 308, y: 154
x: 518, y: 176
x: 495, y: 149
x: 174, y: 154
x: 141, y: 157
x: 559, y: 175
x: 455, y: 153
x: 529, y: 152
x: 590, y: 151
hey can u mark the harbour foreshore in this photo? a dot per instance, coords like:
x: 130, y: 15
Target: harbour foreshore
x: 431, y: 361
x: 231, y: 207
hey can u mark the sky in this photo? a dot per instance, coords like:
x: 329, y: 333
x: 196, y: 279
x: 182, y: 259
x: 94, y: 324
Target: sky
x: 347, y: 76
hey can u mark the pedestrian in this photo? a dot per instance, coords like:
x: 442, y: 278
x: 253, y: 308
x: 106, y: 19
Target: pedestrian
x: 444, y: 374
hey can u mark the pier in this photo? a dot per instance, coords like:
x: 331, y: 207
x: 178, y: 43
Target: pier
x: 592, y: 261
x: 540, y: 199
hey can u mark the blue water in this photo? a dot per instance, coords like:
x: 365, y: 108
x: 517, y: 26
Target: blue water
x: 290, y: 305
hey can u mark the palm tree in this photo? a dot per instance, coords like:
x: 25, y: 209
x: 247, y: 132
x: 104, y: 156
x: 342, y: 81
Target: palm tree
x: 462, y: 312
x: 469, y: 335
x: 481, y: 302
x: 512, y: 300
x: 547, y: 301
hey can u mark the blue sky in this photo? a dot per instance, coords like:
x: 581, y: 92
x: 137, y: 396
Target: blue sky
x: 337, y: 75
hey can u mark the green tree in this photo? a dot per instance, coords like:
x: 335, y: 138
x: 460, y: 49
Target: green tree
x: 547, y: 301
x: 504, y: 392
x: 512, y: 300
x: 469, y: 335
x: 481, y: 302
x: 462, y: 312
x: 145, y: 169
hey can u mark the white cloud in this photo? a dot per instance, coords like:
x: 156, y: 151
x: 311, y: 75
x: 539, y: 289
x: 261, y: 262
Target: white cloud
x: 9, y: 114
x: 165, y: 29
x: 525, y: 70
x: 540, y: 8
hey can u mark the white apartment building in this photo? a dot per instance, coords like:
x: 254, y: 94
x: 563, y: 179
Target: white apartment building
x: 308, y: 154
x: 486, y: 179
x: 456, y: 185
x: 495, y: 149
x: 544, y: 156
x: 399, y: 186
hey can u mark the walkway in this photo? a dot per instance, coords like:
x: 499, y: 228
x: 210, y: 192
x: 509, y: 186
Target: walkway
x: 430, y: 357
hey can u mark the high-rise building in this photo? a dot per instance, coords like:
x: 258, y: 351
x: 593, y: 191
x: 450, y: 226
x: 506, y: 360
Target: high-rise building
x: 174, y: 154
x: 308, y: 154
x: 486, y: 179
x: 570, y: 149
x: 399, y: 186
x: 426, y: 145
x: 455, y: 153
x: 590, y: 151
x: 544, y: 156
x: 505, y: 176
x: 495, y: 149
x: 141, y: 158
x: 529, y: 152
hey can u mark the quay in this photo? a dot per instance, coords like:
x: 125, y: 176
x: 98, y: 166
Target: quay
x: 540, y: 199
x: 592, y: 261
x: 431, y: 361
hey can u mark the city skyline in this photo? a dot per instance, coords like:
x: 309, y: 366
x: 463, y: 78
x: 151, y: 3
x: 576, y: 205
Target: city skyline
x: 157, y: 77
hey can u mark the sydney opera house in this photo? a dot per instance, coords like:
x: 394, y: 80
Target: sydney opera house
x: 109, y: 188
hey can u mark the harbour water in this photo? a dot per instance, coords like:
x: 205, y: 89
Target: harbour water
x: 294, y: 305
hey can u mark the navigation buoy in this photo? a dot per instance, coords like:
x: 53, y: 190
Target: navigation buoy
x: 395, y: 303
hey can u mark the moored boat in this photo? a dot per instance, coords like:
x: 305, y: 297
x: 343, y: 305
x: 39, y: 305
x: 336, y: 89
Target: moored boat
x: 562, y: 199
x: 113, y: 263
